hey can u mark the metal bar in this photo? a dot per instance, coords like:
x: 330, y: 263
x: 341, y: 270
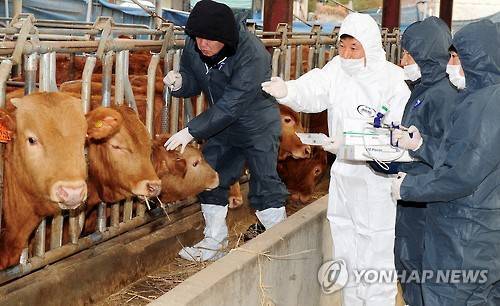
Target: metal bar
x: 288, y: 63
x: 321, y: 56
x: 174, y: 124
x: 88, y: 15
x: 30, y: 65
x: 101, y: 217
x: 43, y: 74
x: 298, y: 61
x: 6, y: 8
x: 446, y: 11
x: 40, y: 235
x: 188, y: 111
x: 87, y: 82
x: 52, y: 72
x: 5, y: 69
x: 119, y: 77
x: 127, y: 210
x: 310, y: 59
x: 390, y: 13
x: 167, y: 97
x: 75, y: 224
x: 275, y: 62
x: 107, y: 71
x: 151, y: 92
x: 115, y: 214
x: 56, y: 231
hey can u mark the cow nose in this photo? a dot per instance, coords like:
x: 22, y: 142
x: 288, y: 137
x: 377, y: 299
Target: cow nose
x: 154, y: 188
x: 69, y: 194
x: 148, y: 188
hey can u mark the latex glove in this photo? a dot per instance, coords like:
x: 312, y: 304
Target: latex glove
x: 404, y: 140
x: 181, y: 138
x: 173, y: 80
x: 276, y: 87
x: 332, y: 146
x: 396, y: 186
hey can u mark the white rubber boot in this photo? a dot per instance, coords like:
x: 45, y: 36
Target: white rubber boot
x: 215, y: 241
x: 271, y: 216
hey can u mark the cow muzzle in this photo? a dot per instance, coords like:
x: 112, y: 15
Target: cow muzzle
x: 69, y: 194
x: 147, y: 188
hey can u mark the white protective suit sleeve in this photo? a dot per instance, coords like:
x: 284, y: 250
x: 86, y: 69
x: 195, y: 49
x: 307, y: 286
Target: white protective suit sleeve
x: 310, y: 93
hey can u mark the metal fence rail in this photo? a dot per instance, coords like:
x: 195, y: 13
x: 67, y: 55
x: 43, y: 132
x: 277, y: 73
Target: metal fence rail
x: 293, y: 54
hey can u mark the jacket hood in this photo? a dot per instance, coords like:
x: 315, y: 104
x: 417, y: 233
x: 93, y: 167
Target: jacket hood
x: 477, y: 46
x: 428, y: 42
x: 364, y: 28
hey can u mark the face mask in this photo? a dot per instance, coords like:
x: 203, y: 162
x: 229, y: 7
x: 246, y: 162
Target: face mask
x: 352, y: 66
x: 455, y: 77
x: 412, y: 72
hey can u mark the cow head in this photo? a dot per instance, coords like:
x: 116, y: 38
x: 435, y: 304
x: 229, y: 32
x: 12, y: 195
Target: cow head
x: 47, y: 149
x: 119, y: 153
x: 45, y: 166
x: 302, y: 175
x: 290, y: 144
x: 182, y: 175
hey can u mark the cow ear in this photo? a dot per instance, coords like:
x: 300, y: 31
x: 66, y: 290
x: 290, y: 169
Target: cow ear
x: 7, y: 126
x: 180, y: 167
x: 103, y: 123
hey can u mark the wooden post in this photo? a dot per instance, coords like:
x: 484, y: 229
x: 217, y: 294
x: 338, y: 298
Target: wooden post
x: 390, y: 14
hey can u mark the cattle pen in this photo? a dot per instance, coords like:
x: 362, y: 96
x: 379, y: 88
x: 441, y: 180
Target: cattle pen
x: 30, y: 50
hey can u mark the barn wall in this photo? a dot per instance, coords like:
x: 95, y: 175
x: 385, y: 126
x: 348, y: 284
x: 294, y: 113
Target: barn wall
x: 292, y: 280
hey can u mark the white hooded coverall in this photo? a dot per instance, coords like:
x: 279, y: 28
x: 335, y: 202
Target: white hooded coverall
x: 361, y: 210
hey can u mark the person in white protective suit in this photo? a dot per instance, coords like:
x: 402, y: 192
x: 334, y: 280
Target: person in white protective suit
x: 355, y: 84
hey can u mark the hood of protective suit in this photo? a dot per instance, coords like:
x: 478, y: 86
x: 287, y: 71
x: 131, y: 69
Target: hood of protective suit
x: 428, y: 42
x: 477, y: 47
x: 364, y: 28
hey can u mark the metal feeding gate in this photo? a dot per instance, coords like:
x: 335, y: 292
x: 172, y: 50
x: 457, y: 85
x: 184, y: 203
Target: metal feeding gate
x: 29, y: 46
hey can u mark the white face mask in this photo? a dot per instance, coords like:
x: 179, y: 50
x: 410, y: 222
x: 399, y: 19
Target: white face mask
x: 352, y: 66
x: 455, y: 77
x: 412, y: 72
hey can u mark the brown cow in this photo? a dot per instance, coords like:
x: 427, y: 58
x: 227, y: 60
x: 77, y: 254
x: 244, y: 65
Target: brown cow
x: 302, y: 175
x: 119, y: 153
x: 290, y: 144
x: 182, y: 175
x: 45, y: 166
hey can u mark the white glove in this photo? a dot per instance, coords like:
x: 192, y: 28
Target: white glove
x: 403, y: 139
x: 173, y: 80
x: 181, y: 138
x: 276, y: 87
x: 331, y: 146
x: 396, y: 186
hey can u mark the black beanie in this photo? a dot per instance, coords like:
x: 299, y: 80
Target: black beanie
x: 214, y: 21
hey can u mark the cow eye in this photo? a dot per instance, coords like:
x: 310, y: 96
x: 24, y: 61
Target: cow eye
x: 32, y: 140
x: 195, y: 163
x: 288, y: 120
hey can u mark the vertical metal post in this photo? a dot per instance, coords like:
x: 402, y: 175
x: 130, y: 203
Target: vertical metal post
x: 298, y: 61
x: 43, y: 74
x: 87, y: 82
x: 115, y: 214
x: 199, y: 104
x: 52, y: 72
x: 17, y: 7
x: 310, y: 59
x: 167, y: 97
x: 275, y: 62
x: 174, y: 124
x: 321, y: 56
x: 277, y: 11
x: 288, y: 63
x: 5, y: 69
x: 40, y: 239
x: 6, y: 8
x: 119, y: 77
x: 151, y: 92
x: 30, y: 65
x: 101, y: 217
x: 107, y: 71
x: 56, y: 231
x: 88, y: 16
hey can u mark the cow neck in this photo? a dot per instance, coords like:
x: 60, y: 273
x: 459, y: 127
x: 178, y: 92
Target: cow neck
x: 19, y: 215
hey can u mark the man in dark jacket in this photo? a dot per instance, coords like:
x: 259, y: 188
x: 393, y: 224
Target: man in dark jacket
x: 429, y: 108
x: 462, y: 228
x: 228, y: 64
